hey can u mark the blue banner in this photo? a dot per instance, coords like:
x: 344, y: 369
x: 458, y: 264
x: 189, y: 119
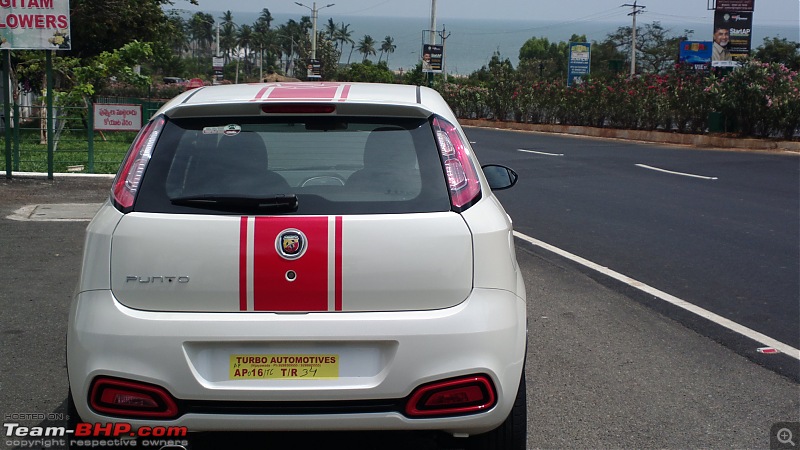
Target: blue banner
x: 580, y: 58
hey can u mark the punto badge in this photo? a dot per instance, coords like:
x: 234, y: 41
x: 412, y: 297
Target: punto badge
x: 291, y: 243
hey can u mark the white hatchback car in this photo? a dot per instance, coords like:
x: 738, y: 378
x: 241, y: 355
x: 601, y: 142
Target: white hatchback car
x: 303, y: 256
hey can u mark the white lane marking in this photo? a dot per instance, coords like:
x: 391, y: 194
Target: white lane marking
x: 719, y: 320
x: 539, y: 153
x: 644, y: 166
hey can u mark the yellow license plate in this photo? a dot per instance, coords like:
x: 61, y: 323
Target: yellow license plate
x: 284, y: 367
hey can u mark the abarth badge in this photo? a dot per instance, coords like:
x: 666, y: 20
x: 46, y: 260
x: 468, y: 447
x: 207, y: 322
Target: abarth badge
x: 291, y: 243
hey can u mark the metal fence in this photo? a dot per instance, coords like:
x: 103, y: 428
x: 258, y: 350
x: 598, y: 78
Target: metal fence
x: 75, y: 144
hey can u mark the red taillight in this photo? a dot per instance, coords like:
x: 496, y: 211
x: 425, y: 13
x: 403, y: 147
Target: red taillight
x: 128, y: 179
x: 298, y: 108
x: 467, y: 395
x: 123, y: 398
x: 462, y: 178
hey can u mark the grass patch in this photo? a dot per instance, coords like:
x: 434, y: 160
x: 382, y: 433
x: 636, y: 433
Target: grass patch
x: 72, y: 150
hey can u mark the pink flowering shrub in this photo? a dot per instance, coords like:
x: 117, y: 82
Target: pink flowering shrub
x: 763, y: 99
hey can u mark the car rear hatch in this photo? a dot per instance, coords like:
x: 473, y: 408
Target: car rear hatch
x: 314, y: 211
x: 169, y: 262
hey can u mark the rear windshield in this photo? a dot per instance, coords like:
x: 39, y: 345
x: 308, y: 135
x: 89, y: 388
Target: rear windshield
x: 301, y: 165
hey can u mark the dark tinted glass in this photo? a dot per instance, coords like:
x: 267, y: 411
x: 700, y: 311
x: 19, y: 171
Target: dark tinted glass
x: 332, y: 166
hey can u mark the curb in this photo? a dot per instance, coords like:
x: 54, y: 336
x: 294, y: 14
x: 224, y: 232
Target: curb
x: 661, y: 137
x: 60, y: 175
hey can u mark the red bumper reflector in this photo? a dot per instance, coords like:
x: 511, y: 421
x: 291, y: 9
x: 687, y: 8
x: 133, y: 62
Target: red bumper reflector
x: 124, y: 398
x: 456, y: 396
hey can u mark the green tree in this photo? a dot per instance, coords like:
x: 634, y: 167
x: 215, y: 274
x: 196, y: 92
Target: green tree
x: 244, y: 41
x: 264, y: 40
x: 387, y: 46
x: 344, y: 36
x: 99, y: 26
x: 227, y: 35
x: 330, y: 30
x: 656, y: 47
x: 201, y: 32
x: 415, y: 76
x: 607, y: 60
x: 368, y: 72
x: 265, y: 18
x: 782, y: 51
x: 169, y: 53
x: 547, y: 58
x: 503, y: 83
x: 366, y: 46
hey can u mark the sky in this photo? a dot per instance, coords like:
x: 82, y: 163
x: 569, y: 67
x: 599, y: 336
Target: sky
x: 781, y: 12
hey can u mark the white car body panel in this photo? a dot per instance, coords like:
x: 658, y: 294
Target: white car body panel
x: 393, y: 352
x: 159, y: 262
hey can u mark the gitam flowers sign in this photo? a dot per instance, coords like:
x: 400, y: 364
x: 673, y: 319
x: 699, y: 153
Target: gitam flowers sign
x: 34, y: 25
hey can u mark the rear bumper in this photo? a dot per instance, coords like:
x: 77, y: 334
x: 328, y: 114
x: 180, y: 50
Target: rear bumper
x: 383, y: 356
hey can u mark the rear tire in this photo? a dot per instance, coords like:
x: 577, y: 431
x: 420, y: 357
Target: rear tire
x: 512, y: 434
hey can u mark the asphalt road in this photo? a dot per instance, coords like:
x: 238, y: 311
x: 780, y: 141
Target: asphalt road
x: 728, y: 242
x: 604, y: 371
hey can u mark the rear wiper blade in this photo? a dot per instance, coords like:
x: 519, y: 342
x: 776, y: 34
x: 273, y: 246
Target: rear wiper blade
x: 283, y: 202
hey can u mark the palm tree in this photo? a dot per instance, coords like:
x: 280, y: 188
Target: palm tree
x: 227, y: 39
x: 387, y: 46
x: 330, y: 31
x: 227, y: 35
x: 265, y: 18
x: 227, y: 17
x: 177, y: 33
x: 245, y: 40
x: 262, y: 37
x: 200, y: 30
x: 344, y: 36
x: 366, y: 46
x: 293, y: 38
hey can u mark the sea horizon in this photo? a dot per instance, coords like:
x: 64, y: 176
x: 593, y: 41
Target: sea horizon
x: 471, y: 43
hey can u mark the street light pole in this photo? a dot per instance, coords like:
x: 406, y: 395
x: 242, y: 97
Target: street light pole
x: 314, y: 14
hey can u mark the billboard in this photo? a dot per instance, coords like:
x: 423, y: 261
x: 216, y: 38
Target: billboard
x: 732, y: 37
x: 735, y: 5
x: 314, y: 68
x: 34, y: 25
x: 432, y: 56
x: 696, y: 53
x: 580, y: 57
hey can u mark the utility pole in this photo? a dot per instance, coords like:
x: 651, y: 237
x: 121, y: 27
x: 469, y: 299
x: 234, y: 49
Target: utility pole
x: 444, y: 51
x: 432, y: 38
x: 314, y: 15
x: 636, y: 11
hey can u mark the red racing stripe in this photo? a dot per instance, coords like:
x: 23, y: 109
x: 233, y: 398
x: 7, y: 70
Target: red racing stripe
x: 260, y: 94
x: 243, y: 264
x: 274, y: 289
x: 345, y: 93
